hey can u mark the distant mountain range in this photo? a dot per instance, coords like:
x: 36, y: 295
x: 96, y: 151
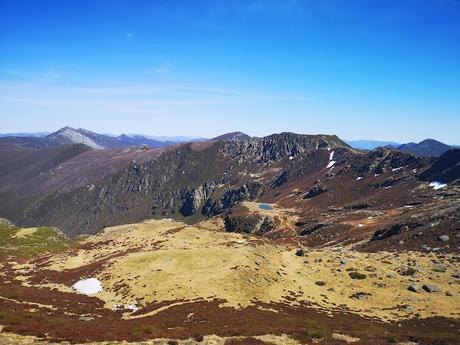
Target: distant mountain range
x: 25, y: 134
x: 370, y: 144
x: 426, y: 148
x: 68, y: 135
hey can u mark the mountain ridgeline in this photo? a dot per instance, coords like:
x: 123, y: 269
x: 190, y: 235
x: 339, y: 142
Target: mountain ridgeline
x: 425, y: 148
x: 82, y: 190
x: 187, y: 182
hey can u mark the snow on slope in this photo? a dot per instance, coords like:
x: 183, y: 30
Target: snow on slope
x: 331, y: 155
x: 331, y: 162
x: 89, y: 286
x: 437, y: 185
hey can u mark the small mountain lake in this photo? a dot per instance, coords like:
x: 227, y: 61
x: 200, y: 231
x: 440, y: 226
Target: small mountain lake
x: 266, y: 207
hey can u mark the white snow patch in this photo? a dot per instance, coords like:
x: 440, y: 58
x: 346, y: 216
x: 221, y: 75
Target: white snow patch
x: 89, y: 286
x: 360, y: 225
x: 414, y: 170
x: 330, y: 164
x: 291, y: 158
x: 359, y: 178
x: 396, y: 169
x: 437, y: 185
x: 130, y: 307
x: 387, y: 187
x: 376, y: 175
x: 331, y: 155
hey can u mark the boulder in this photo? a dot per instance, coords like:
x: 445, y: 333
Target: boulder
x: 357, y: 275
x: 361, y: 295
x: 413, y: 288
x: 407, y: 271
x: 443, y: 238
x: 300, y: 252
x: 430, y: 288
x: 343, y: 261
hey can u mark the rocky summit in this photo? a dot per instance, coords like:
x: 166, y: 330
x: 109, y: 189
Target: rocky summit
x: 283, y: 239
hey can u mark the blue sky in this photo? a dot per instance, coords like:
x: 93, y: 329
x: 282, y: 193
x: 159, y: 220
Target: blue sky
x: 374, y: 69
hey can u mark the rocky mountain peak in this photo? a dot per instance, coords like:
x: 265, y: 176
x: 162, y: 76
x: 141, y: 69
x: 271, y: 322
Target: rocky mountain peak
x: 233, y: 136
x: 68, y: 135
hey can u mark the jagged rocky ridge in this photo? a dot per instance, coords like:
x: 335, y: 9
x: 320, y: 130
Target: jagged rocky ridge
x: 200, y: 180
x: 191, y: 181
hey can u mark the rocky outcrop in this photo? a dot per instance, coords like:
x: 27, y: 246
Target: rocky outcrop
x: 231, y: 197
x: 383, y: 160
x: 312, y: 229
x: 386, y: 233
x: 4, y: 221
x: 256, y: 224
x: 315, y: 191
x: 194, y: 199
x: 278, y: 146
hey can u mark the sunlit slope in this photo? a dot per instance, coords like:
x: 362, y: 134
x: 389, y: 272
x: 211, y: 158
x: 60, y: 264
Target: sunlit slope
x: 166, y: 261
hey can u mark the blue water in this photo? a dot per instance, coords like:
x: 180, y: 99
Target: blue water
x: 265, y: 207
